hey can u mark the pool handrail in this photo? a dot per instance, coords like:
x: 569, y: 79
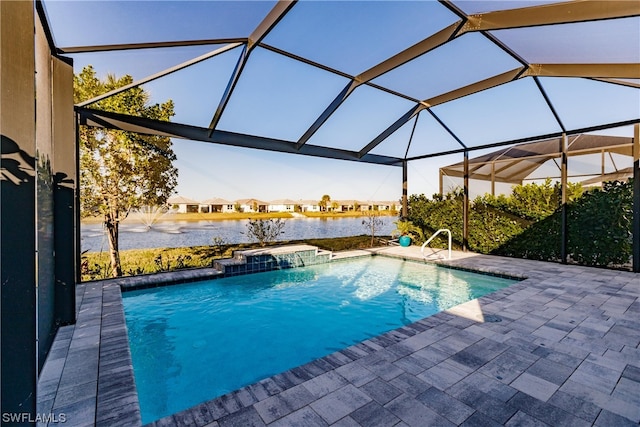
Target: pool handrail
x: 432, y: 237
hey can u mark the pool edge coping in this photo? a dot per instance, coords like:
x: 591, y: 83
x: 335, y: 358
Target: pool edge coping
x: 355, y: 349
x: 116, y: 394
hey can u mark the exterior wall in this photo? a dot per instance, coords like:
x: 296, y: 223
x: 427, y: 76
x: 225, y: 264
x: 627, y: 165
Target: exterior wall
x: 226, y: 207
x: 18, y: 350
x: 249, y: 208
x: 281, y: 208
x: 310, y: 208
x: 44, y: 197
x: 38, y: 272
x: 389, y: 206
x: 66, y: 204
x: 221, y: 208
x: 185, y: 208
x: 216, y: 205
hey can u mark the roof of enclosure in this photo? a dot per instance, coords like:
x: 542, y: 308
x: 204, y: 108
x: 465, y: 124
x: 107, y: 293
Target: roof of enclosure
x: 379, y: 82
x: 517, y: 163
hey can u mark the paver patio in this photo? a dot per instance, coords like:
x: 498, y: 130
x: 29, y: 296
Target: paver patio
x: 558, y: 348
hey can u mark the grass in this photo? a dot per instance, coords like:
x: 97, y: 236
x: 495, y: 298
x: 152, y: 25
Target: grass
x: 223, y: 216
x: 96, y: 265
x: 346, y: 214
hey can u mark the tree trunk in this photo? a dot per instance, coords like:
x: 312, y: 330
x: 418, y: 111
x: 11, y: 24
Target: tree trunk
x: 112, y: 225
x: 373, y: 233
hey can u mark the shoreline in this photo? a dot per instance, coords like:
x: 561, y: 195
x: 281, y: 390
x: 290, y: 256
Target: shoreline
x: 194, y: 217
x: 96, y: 265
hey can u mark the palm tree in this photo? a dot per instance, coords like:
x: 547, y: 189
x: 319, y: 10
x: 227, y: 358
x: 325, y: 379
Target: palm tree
x: 324, y: 202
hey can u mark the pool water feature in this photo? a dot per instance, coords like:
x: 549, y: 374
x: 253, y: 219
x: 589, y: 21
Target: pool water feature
x: 194, y: 342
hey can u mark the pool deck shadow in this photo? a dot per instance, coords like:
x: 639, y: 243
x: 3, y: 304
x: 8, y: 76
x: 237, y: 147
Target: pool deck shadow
x: 558, y: 348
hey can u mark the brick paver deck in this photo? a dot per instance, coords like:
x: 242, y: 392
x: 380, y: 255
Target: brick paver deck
x: 560, y: 348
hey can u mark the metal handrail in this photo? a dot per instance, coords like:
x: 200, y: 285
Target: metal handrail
x: 432, y: 237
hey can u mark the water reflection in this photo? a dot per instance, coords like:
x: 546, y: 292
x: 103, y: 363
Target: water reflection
x: 155, y: 351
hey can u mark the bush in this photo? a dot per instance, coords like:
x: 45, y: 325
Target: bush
x: 441, y: 212
x: 265, y: 230
x: 527, y: 223
x: 540, y: 241
x: 532, y: 201
x: 600, y: 225
x: 372, y: 222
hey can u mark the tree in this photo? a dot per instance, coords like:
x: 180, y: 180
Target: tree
x: 324, y: 202
x: 121, y: 171
x: 372, y: 222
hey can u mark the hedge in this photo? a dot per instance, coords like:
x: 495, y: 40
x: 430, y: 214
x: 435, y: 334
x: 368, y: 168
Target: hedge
x: 527, y: 223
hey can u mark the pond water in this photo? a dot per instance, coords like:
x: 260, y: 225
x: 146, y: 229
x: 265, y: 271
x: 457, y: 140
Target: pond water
x: 175, y: 234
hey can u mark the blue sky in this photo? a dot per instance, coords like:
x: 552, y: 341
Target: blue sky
x: 280, y: 98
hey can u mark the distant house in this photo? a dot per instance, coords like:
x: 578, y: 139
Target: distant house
x: 346, y: 205
x: 183, y: 204
x: 282, y: 205
x: 366, y: 206
x: 309, y: 205
x: 370, y: 205
x: 216, y: 205
x: 387, y: 206
x: 251, y: 205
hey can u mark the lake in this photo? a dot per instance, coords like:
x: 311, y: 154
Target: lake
x: 175, y: 234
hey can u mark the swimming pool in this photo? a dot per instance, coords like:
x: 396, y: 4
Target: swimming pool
x: 191, y: 343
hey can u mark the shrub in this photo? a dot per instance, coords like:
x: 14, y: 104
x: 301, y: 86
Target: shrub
x: 372, y: 222
x: 527, y: 223
x: 407, y: 228
x: 600, y: 225
x: 532, y: 201
x: 265, y: 230
x: 219, y: 243
x: 440, y: 212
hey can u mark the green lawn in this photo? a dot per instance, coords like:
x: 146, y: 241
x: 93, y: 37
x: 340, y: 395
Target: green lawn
x: 145, y: 261
x: 220, y: 216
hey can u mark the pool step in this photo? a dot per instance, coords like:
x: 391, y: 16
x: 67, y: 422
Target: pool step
x: 323, y: 252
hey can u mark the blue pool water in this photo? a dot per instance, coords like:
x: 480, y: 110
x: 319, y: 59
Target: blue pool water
x: 191, y: 343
